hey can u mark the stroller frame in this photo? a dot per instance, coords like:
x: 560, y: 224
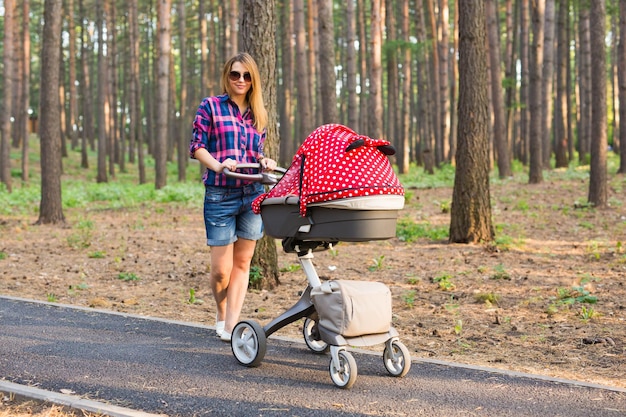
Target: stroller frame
x: 249, y: 338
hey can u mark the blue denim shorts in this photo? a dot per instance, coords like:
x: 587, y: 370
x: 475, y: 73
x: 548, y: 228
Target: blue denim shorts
x: 228, y: 214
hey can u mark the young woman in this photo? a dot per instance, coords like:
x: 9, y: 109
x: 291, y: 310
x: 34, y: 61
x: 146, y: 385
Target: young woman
x: 229, y: 129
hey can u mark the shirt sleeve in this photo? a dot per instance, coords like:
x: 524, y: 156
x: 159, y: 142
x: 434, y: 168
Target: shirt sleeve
x: 202, y: 124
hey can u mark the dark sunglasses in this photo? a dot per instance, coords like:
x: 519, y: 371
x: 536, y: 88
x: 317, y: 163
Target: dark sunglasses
x: 236, y: 76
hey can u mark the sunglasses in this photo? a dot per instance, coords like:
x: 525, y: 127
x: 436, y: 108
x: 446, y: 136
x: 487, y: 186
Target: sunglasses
x: 236, y: 76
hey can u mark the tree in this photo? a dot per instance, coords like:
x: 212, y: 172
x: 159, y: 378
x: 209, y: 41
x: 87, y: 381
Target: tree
x: 258, y: 29
x: 598, y: 175
x: 73, y: 96
x: 101, y: 105
x: 621, y: 66
x: 497, y: 98
x: 547, y: 80
x: 182, y: 139
x: 471, y: 202
x: 327, y: 61
x: 561, y: 104
x: 25, y: 88
x: 5, y: 142
x: 404, y: 150
x: 535, y: 175
x: 162, y: 99
x: 376, y: 75
x: 51, y: 207
x: 305, y: 113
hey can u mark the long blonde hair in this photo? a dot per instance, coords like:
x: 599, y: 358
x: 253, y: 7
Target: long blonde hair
x: 255, y: 94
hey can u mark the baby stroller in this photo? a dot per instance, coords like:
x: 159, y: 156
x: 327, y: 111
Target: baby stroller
x: 339, y: 187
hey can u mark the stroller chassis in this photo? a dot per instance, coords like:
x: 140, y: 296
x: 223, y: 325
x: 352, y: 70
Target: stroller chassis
x: 249, y: 338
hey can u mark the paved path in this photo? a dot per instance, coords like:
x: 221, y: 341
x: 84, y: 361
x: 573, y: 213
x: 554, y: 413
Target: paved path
x: 122, y: 363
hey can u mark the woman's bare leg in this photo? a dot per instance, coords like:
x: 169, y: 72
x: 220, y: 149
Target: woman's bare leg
x: 239, y: 278
x: 221, y: 269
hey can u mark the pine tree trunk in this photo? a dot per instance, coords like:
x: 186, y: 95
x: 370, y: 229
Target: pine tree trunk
x: 598, y: 187
x: 471, y: 203
x: 7, y: 108
x: 51, y: 206
x: 258, y: 30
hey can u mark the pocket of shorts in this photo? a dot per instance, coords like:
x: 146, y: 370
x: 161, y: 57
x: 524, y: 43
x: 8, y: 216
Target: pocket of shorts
x: 215, y: 194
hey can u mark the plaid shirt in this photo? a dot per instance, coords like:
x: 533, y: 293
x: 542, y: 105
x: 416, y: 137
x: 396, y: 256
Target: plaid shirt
x: 221, y: 129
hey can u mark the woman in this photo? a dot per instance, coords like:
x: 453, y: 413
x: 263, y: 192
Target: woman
x: 229, y: 129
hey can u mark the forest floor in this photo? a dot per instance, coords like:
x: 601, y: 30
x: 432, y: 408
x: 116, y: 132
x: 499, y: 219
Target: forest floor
x: 548, y: 298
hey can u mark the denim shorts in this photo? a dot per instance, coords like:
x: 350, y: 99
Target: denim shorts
x: 228, y: 214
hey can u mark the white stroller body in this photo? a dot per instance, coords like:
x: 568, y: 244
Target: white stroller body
x: 317, y: 226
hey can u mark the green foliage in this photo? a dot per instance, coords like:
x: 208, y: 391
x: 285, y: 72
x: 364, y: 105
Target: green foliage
x: 291, y: 268
x: 377, y: 265
x: 256, y: 276
x: 577, y: 294
x: 81, y: 238
x: 97, y: 255
x: 417, y: 178
x: 444, y: 281
x: 128, y: 277
x: 3, y: 255
x: 51, y: 297
x: 409, y: 231
x: 488, y: 298
x: 409, y: 298
x: 192, y: 297
x: 500, y: 273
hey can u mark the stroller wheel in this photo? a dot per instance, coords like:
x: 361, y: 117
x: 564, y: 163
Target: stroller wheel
x: 248, y: 343
x: 311, y: 337
x: 344, y: 375
x: 397, y: 358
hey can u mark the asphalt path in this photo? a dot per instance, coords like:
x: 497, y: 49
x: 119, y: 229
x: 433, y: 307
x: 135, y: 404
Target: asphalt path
x: 126, y: 362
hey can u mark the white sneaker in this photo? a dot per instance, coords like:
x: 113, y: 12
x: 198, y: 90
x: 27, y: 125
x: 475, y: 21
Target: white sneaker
x: 225, y: 337
x: 219, y: 328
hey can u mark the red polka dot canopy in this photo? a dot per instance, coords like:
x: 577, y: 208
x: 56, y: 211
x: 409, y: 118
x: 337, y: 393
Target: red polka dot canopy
x: 334, y: 163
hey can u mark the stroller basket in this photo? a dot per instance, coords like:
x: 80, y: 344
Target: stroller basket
x: 350, y: 220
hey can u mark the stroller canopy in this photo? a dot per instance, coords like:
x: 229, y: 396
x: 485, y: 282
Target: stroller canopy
x: 333, y: 163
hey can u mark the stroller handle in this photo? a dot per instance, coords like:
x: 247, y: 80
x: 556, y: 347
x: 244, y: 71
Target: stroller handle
x: 267, y: 178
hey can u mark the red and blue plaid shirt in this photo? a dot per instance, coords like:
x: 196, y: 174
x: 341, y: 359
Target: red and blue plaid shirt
x: 221, y: 129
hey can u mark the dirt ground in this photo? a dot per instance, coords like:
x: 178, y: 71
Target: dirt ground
x: 524, y: 304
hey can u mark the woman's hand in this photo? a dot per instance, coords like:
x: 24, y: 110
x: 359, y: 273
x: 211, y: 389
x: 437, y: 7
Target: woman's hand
x: 268, y: 164
x: 229, y: 164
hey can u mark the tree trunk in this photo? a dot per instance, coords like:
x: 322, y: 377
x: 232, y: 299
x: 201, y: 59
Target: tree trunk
x: 535, y: 175
x: 471, y: 203
x: 305, y: 112
x: 444, y: 77
x: 73, y: 95
x: 162, y: 99
x: 376, y: 76
x: 392, y: 113
x: 561, y: 97
x: 181, y: 133
x: 26, y: 56
x: 435, y: 82
x: 523, y: 145
x: 351, y: 67
x: 286, y: 89
x: 258, y: 30
x: 621, y: 71
x: 102, y: 143
x: 598, y: 186
x: 51, y: 206
x: 547, y: 80
x: 85, y: 85
x: 7, y: 108
x: 404, y: 148
x: 499, y: 133
x: 584, y: 80
x: 327, y: 78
